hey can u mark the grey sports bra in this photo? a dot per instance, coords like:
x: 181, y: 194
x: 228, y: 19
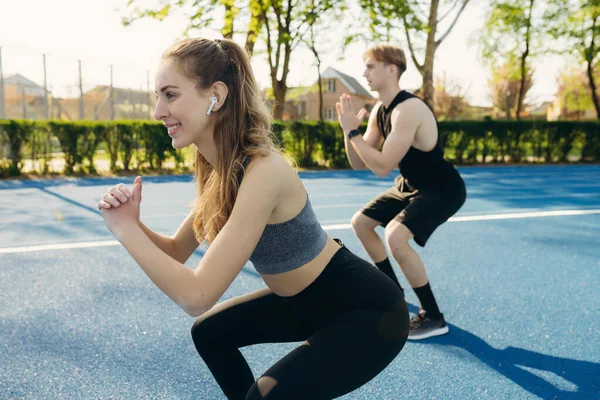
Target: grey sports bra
x: 291, y: 244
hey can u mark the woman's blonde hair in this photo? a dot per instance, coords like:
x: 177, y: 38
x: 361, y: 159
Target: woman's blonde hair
x: 242, y: 129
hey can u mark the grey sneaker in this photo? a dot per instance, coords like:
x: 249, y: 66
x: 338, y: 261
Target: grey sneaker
x: 422, y: 327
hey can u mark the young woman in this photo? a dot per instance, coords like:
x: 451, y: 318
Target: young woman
x: 251, y: 205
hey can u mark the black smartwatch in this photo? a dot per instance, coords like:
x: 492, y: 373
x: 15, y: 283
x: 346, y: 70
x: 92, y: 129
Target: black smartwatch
x: 352, y: 133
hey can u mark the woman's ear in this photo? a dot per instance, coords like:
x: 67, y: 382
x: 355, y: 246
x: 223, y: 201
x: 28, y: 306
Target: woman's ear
x: 220, y: 92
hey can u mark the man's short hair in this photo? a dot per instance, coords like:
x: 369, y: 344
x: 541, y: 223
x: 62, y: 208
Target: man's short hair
x: 388, y: 54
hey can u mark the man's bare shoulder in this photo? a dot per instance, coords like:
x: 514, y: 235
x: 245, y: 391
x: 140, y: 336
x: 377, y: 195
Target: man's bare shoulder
x: 412, y: 108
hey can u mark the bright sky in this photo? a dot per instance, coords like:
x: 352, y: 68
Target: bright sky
x: 91, y: 31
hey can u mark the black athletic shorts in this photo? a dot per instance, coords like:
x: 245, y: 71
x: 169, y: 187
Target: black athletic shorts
x: 421, y: 211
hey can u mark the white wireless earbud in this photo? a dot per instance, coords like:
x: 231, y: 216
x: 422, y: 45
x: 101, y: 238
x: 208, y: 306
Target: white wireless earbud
x: 213, y: 100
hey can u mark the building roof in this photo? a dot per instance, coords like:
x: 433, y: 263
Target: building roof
x: 20, y: 80
x: 120, y: 94
x: 347, y: 80
x: 542, y: 108
x: 295, y: 92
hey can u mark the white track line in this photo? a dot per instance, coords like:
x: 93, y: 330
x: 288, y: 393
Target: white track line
x: 333, y: 227
x: 60, y: 246
x: 491, y: 217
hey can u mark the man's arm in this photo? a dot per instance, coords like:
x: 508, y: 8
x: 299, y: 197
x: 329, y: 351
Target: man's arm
x: 406, y: 118
x: 372, y: 136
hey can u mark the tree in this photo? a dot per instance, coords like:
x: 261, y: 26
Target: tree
x: 315, y: 22
x: 510, y: 32
x: 450, y: 99
x: 506, y: 83
x: 388, y: 16
x: 311, y: 43
x: 202, y: 16
x: 578, y: 30
x: 574, y: 92
x: 286, y: 23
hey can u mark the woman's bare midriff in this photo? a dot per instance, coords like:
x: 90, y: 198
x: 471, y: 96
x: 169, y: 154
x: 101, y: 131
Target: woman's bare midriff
x: 293, y: 282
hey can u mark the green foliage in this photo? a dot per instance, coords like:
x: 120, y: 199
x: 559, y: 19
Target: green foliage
x: 576, y: 29
x: 505, y: 83
x: 15, y: 134
x: 512, y: 26
x: 312, y: 144
x: 201, y: 18
x: 574, y: 91
x: 156, y: 142
x: 69, y: 135
x: 128, y: 143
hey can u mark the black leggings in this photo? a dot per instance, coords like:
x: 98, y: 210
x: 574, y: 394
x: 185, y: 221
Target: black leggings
x: 353, y: 319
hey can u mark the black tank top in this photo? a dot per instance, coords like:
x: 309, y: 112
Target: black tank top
x: 420, y: 169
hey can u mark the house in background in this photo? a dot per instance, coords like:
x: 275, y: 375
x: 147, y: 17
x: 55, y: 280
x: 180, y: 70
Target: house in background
x: 128, y: 104
x: 559, y: 111
x: 540, y: 111
x: 303, y: 102
x: 23, y: 98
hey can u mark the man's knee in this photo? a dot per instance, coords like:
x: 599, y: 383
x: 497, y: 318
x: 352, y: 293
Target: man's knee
x: 397, y: 236
x: 361, y: 223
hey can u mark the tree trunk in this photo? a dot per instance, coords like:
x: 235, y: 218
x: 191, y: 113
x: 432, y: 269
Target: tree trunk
x: 279, y: 90
x: 524, y: 63
x: 254, y: 27
x: 227, y: 30
x: 320, y: 92
x: 315, y: 52
x: 428, y: 90
x: 426, y: 70
x: 507, y: 102
x: 522, y: 83
x: 280, y: 85
x: 590, y: 73
x: 589, y: 55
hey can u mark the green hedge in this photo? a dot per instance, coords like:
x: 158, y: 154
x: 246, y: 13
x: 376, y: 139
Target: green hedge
x: 312, y: 144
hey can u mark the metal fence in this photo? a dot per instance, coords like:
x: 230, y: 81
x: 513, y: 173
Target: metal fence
x: 40, y: 86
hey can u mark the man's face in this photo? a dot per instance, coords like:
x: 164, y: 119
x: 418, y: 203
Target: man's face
x: 378, y: 74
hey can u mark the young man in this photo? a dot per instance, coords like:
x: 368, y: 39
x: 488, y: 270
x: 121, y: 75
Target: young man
x: 428, y: 191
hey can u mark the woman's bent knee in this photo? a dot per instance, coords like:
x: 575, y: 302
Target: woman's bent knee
x: 261, y: 388
x: 205, y: 334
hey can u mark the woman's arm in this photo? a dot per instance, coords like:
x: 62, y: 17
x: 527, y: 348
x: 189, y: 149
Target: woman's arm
x: 181, y: 245
x: 196, y: 291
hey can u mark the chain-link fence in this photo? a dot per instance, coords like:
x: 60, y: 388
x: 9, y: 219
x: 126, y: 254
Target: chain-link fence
x: 39, y: 86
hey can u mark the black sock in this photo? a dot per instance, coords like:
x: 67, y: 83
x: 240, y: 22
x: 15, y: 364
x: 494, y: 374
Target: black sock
x: 385, y: 267
x: 428, y: 302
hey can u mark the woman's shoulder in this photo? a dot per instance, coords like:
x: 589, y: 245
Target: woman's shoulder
x: 269, y: 174
x: 272, y: 169
x: 271, y: 163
